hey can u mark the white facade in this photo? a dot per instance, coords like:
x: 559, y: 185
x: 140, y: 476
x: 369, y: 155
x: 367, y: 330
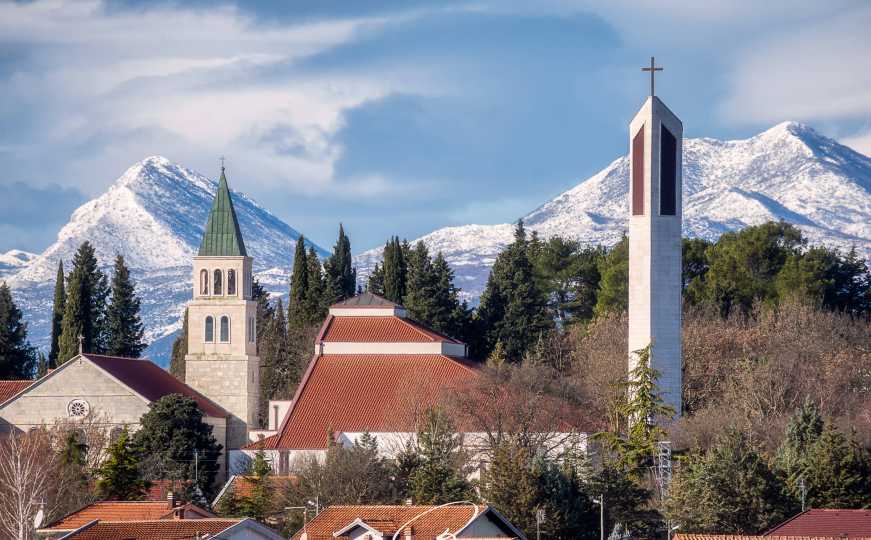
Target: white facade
x: 655, y: 244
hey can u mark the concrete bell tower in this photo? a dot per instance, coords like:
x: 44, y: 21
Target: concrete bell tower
x: 222, y: 361
x: 655, y: 207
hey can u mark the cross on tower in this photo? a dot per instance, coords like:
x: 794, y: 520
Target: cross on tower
x: 652, y: 69
x: 222, y: 163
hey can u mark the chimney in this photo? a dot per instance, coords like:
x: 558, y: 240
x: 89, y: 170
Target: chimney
x: 170, y: 499
x: 408, y: 533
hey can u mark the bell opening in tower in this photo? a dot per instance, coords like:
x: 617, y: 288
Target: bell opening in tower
x: 638, y: 173
x: 667, y: 174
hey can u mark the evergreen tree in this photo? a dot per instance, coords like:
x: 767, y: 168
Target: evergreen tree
x: 57, y: 315
x: 297, y: 306
x: 172, y: 433
x: 260, y: 503
x: 802, y: 432
x: 627, y: 503
x: 450, y: 316
x: 513, y: 309
x: 341, y: 277
x: 72, y: 460
x: 728, y: 489
x: 118, y: 477
x: 837, y: 472
x: 317, y: 300
x: 278, y: 373
x: 375, y: 284
x: 264, y: 314
x: 613, y: 294
x: 17, y: 358
x: 124, y: 327
x: 85, y: 306
x: 395, y: 271
x: 439, y: 478
x: 569, y: 275
x: 42, y: 365
x: 180, y: 350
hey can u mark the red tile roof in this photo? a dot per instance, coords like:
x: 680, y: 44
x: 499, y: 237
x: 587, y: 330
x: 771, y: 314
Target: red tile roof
x: 379, y: 330
x: 826, y: 522
x: 242, y: 486
x: 387, y: 519
x: 153, y: 382
x: 396, y: 388
x: 751, y: 537
x: 126, y: 511
x: 10, y: 388
x: 153, y: 530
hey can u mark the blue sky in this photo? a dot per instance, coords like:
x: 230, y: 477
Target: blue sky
x: 396, y: 117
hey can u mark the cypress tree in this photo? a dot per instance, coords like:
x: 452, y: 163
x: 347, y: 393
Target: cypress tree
x: 375, y: 285
x: 85, y: 306
x: 179, y: 350
x: 296, y: 303
x: 278, y: 370
x: 421, y: 286
x: 123, y: 325
x: 341, y: 277
x: 265, y: 312
x: 57, y: 315
x: 118, y: 477
x: 17, y: 357
x: 395, y: 271
x: 317, y: 300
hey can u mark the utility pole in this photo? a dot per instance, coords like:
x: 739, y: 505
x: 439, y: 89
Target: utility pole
x: 803, y: 487
x: 196, y: 467
x: 539, y: 519
x: 601, y: 502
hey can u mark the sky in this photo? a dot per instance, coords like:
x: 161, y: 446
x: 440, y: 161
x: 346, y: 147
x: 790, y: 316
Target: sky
x: 391, y: 116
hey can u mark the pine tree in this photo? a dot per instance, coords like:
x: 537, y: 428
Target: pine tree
x: 180, y: 350
x: 421, y: 286
x: 124, y: 327
x: 439, y: 478
x: 296, y: 304
x: 803, y: 431
x: 85, y: 306
x: 57, y: 315
x: 118, y: 477
x: 613, y: 294
x: 375, y: 283
x: 395, y: 271
x: 837, y: 472
x: 17, y: 358
x: 341, y: 277
x: 513, y: 309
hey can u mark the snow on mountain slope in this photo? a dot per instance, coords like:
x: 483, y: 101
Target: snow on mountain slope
x: 14, y: 260
x: 788, y: 172
x: 154, y: 215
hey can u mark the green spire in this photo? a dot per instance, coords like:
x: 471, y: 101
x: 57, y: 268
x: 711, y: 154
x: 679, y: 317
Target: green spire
x: 222, y: 236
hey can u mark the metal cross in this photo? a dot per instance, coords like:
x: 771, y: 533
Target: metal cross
x: 652, y: 69
x: 222, y: 163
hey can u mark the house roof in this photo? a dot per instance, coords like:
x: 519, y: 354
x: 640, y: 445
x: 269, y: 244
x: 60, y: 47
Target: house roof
x: 125, y: 511
x: 836, y: 523
x: 222, y: 236
x: 366, y: 300
x: 152, y: 529
x: 152, y: 382
x: 242, y: 486
x: 388, y: 519
x: 328, y: 398
x: 10, y: 388
x: 379, y: 330
x: 752, y: 537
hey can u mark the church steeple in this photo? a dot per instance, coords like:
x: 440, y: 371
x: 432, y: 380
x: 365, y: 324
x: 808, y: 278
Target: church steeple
x: 222, y: 237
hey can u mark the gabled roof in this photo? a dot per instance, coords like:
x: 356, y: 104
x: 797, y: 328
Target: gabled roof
x: 9, y: 389
x: 125, y: 511
x: 836, y: 523
x: 366, y: 300
x: 186, y: 529
x: 151, y: 381
x: 222, y: 236
x: 355, y: 393
x: 379, y: 329
x: 242, y: 486
x: 430, y: 523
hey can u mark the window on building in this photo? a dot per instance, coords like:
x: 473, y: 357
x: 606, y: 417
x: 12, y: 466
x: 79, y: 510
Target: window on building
x: 667, y: 174
x: 231, y: 282
x: 204, y: 282
x: 252, y: 333
x: 218, y: 287
x: 209, y: 336
x: 225, y: 329
x: 275, y: 414
x: 638, y: 173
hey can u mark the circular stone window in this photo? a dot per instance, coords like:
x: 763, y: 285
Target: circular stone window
x: 78, y: 408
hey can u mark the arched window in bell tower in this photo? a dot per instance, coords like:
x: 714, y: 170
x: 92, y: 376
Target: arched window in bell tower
x: 225, y: 329
x: 218, y: 287
x: 231, y: 282
x: 204, y: 282
x: 209, y: 334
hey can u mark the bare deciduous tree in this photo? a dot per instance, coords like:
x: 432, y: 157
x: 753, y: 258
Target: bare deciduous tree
x: 27, y: 467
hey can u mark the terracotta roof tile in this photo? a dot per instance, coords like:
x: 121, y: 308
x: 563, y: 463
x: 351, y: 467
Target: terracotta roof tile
x: 387, y: 519
x: 403, y: 385
x: 242, y: 486
x: 153, y: 530
x: 826, y: 522
x: 380, y: 330
x: 10, y: 388
x: 112, y: 511
x: 153, y: 382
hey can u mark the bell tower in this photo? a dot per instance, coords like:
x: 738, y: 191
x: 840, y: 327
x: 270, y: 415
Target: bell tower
x: 655, y: 265
x: 222, y: 361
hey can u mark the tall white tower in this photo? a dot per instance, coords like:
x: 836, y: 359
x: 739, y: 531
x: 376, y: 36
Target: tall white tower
x: 655, y: 206
x: 222, y: 361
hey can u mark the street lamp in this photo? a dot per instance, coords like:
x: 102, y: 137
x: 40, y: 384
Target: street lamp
x: 672, y: 529
x: 601, y: 502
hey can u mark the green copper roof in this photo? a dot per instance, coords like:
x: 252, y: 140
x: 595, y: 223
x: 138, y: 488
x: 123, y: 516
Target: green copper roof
x: 222, y: 236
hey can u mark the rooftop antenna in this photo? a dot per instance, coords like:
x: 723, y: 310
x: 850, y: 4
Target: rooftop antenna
x: 663, y: 467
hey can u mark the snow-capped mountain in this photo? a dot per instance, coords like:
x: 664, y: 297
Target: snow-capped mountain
x: 153, y: 215
x: 788, y: 172
x: 14, y: 260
